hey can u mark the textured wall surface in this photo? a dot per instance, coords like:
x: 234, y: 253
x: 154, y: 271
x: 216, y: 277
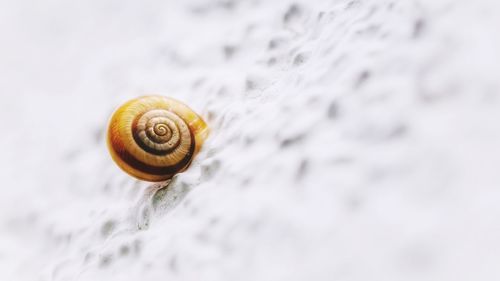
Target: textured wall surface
x: 351, y: 140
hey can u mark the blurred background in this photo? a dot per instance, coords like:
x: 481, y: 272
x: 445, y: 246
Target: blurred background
x: 351, y: 140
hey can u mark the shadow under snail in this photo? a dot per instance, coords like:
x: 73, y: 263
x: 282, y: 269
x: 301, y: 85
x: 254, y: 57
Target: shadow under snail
x: 152, y: 138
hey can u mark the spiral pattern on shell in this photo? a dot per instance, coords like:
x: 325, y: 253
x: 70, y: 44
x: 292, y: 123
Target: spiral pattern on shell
x: 152, y: 138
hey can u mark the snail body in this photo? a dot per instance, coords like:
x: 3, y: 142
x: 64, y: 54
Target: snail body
x: 152, y: 138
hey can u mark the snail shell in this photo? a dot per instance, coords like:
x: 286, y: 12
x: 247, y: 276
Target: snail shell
x: 153, y: 138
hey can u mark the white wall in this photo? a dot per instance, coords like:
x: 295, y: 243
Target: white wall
x: 351, y: 140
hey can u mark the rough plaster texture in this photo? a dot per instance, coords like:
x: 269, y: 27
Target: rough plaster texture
x: 351, y: 140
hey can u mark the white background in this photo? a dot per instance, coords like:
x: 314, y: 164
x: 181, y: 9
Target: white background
x: 351, y: 140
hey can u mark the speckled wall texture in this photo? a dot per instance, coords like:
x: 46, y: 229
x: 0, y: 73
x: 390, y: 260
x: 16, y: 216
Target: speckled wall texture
x: 351, y: 140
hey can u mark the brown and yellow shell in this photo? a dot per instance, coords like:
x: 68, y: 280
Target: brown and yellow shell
x: 153, y: 138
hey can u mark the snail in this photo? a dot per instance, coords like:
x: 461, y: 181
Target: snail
x: 152, y: 138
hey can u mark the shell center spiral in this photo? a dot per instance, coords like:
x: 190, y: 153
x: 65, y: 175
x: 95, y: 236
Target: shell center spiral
x: 162, y: 129
x: 158, y: 131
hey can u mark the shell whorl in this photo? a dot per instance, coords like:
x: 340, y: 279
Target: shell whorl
x: 152, y: 138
